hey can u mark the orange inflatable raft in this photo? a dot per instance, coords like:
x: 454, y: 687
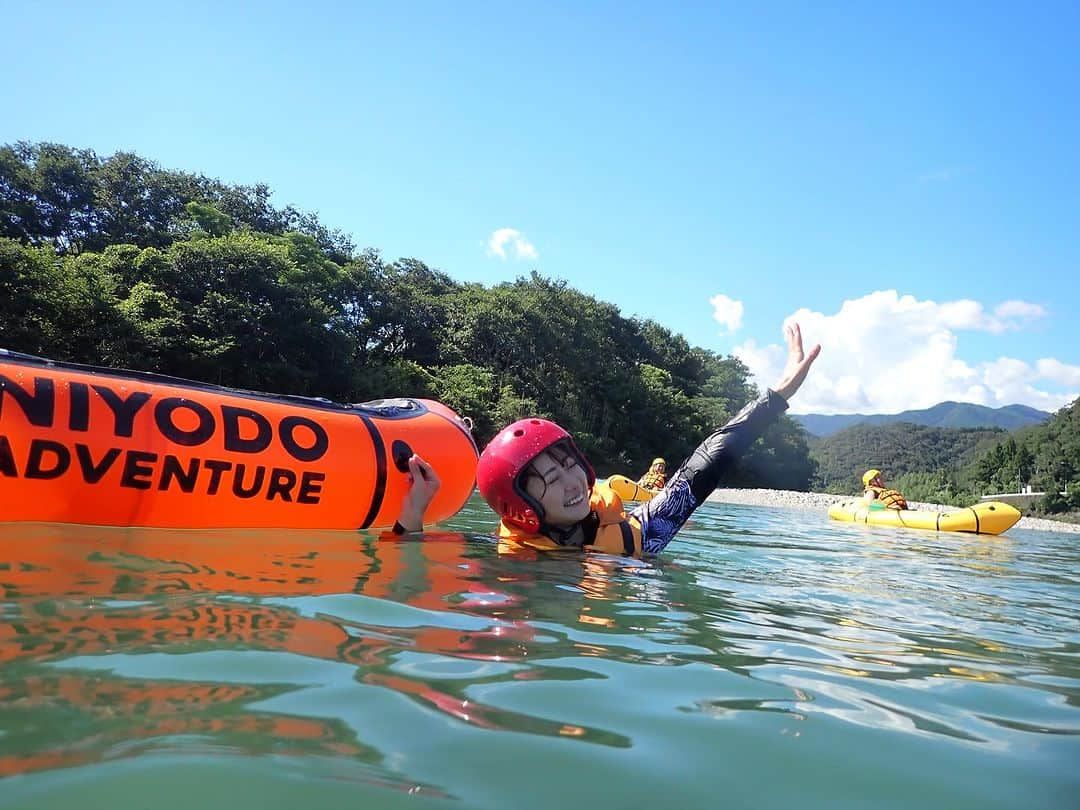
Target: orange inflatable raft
x: 82, y: 444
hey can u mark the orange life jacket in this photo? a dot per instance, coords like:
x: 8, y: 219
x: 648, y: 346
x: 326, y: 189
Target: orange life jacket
x: 652, y: 480
x: 889, y: 498
x: 617, y: 534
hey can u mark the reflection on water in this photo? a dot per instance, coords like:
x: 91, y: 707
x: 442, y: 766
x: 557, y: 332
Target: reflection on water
x: 76, y: 591
x: 406, y: 662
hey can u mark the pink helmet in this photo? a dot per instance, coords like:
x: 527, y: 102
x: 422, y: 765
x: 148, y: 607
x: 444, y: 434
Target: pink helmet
x: 498, y: 472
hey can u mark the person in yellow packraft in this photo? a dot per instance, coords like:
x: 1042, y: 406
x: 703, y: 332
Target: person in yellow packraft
x: 656, y: 476
x: 878, y: 495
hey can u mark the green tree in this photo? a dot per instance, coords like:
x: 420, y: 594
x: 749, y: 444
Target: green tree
x: 47, y: 195
x: 42, y: 296
x: 182, y: 274
x: 209, y: 218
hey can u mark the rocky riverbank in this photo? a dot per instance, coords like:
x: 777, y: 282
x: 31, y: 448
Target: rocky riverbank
x: 822, y: 501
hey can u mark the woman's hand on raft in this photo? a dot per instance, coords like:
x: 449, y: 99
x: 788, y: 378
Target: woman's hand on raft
x: 424, y: 484
x: 798, y: 362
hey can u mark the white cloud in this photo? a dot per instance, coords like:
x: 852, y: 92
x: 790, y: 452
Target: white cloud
x: 1019, y: 309
x: 1061, y: 373
x: 727, y: 312
x: 507, y: 243
x: 885, y: 353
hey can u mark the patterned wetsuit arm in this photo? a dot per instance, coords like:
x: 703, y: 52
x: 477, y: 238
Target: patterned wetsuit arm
x: 699, y: 475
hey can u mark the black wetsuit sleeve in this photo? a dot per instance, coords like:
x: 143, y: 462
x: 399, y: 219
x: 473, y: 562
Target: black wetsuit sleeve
x: 699, y: 475
x: 714, y: 456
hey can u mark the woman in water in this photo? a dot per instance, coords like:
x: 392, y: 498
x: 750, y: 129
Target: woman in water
x: 545, y: 491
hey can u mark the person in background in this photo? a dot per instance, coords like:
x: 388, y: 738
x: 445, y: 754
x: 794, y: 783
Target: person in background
x: 875, y: 492
x: 656, y: 476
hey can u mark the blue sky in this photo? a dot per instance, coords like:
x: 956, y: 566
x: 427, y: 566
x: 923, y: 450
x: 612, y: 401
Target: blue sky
x: 907, y: 179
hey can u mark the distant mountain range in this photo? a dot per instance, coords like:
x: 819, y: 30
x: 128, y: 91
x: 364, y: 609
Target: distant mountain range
x: 944, y: 414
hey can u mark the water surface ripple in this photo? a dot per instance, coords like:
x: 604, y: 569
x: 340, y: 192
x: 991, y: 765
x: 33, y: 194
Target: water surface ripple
x: 770, y: 658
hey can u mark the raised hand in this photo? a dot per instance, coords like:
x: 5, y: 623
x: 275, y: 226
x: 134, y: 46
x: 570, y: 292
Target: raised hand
x: 798, y: 362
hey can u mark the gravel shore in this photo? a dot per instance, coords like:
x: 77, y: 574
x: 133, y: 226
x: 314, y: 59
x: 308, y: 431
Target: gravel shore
x: 821, y: 502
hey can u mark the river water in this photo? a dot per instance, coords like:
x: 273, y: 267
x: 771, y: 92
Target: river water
x: 769, y: 658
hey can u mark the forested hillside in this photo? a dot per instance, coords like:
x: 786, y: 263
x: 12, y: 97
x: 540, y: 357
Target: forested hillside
x: 897, y: 449
x: 1046, y: 456
x: 944, y: 414
x: 116, y: 261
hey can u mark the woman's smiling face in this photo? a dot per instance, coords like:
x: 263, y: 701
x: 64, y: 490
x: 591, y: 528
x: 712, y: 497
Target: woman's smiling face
x: 561, y: 487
